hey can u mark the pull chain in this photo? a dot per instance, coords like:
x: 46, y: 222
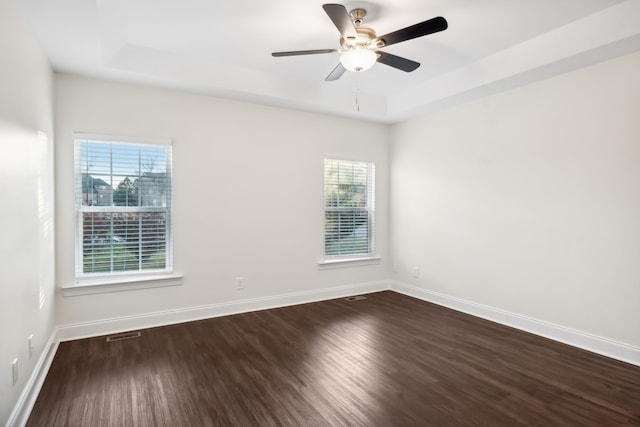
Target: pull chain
x: 357, y: 94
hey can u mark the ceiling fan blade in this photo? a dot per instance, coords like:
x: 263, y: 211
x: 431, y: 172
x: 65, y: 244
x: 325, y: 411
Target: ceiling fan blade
x: 304, y: 52
x: 398, y: 62
x: 336, y: 73
x: 341, y: 19
x: 430, y: 26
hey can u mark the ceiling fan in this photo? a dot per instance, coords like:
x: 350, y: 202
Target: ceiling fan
x: 359, y: 45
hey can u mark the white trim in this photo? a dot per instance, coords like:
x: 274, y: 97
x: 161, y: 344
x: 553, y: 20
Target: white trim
x: 80, y: 136
x: 347, y: 158
x: 21, y: 411
x: 603, y: 346
x: 123, y: 283
x: 329, y: 263
x: 168, y: 317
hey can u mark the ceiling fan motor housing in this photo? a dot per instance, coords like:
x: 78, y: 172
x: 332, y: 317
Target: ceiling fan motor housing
x: 365, y: 36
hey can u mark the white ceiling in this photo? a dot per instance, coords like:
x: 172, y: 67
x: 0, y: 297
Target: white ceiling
x: 224, y: 48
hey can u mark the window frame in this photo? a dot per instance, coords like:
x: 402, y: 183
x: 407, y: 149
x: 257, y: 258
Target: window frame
x: 118, y: 280
x: 352, y: 259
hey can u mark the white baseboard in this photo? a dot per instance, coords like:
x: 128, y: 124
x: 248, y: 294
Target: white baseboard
x: 585, y: 341
x: 22, y: 410
x: 161, y: 318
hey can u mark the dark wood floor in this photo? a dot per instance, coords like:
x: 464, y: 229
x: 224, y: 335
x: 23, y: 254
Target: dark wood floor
x: 388, y: 360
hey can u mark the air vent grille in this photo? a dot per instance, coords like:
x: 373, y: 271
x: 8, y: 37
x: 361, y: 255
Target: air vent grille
x: 123, y: 336
x: 356, y: 298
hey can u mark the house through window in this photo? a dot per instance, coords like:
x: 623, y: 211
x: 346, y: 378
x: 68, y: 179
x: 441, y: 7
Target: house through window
x: 123, y: 203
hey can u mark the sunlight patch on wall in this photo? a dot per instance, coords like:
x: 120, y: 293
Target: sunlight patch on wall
x: 45, y: 214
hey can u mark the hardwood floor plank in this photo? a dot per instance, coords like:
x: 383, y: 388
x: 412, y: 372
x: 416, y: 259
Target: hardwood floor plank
x: 387, y: 360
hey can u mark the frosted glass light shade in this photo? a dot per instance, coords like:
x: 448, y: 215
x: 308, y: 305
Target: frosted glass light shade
x: 358, y: 59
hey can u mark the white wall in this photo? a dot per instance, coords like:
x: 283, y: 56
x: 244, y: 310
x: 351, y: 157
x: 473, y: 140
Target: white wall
x: 248, y: 193
x: 26, y: 195
x: 529, y: 201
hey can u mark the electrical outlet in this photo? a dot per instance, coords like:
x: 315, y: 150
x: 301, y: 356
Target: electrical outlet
x: 416, y: 272
x: 30, y: 346
x: 14, y: 370
x: 239, y: 283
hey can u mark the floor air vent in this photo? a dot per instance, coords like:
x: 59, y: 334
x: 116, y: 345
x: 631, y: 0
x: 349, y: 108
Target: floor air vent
x: 356, y: 298
x: 124, y: 336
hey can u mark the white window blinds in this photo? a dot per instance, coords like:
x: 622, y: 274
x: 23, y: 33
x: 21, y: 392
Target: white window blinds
x: 349, y: 208
x: 123, y: 207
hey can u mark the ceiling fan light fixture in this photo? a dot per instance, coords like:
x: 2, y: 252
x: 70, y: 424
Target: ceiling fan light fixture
x: 358, y: 59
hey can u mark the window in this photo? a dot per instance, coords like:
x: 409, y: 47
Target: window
x: 349, y: 208
x: 123, y: 207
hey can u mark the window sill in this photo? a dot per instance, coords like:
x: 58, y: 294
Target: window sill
x: 327, y: 264
x: 105, y: 285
